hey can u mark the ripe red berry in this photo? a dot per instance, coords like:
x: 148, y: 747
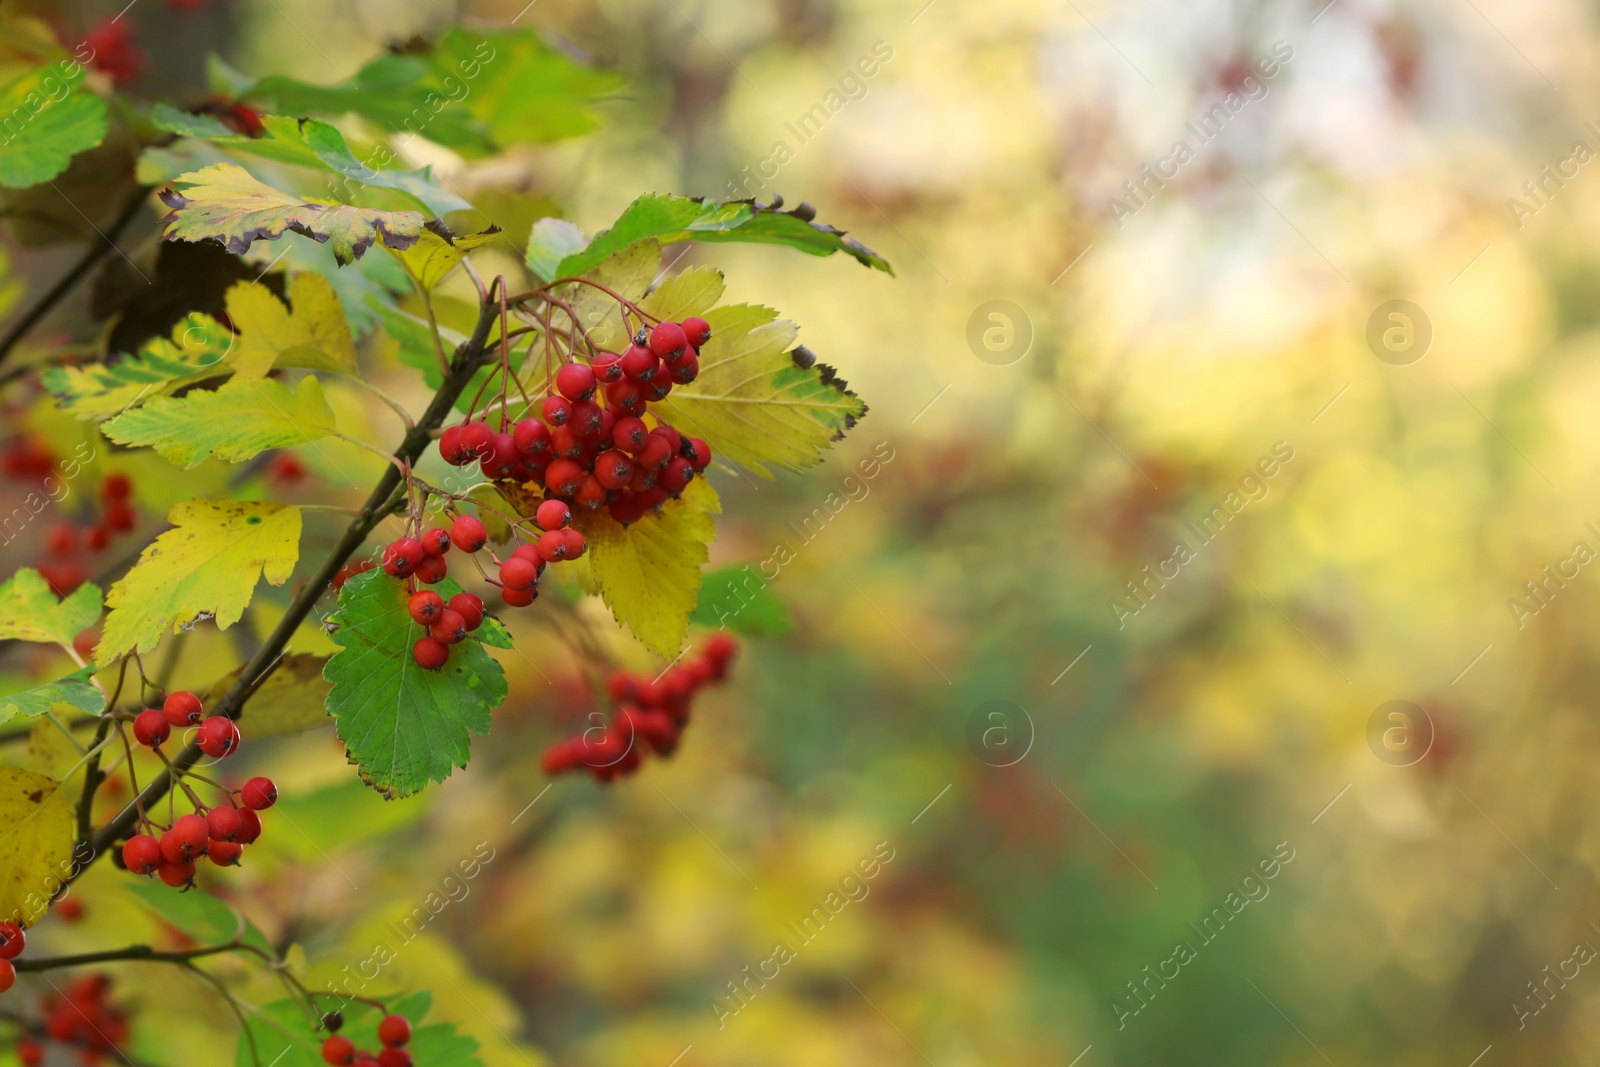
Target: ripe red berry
x: 450, y: 629
x: 625, y: 398
x: 186, y: 840
x: 552, y: 515
x: 565, y: 443
x: 339, y: 1051
x: 613, y: 469
x: 476, y: 437
x: 96, y: 538
x: 259, y: 794
x: 117, y: 486
x: 531, y: 437
x: 575, y: 381
x: 436, y: 542
x: 519, y: 598
x: 394, y: 1031
x: 630, y: 434
x: 563, y: 477
x: 394, y: 1057
x: 576, y: 544
x: 451, y: 450
x: 401, y: 557
x: 182, y: 709
x: 684, y: 370
x: 556, y: 410
x: 175, y: 874
x: 675, y: 477
x: 120, y: 516
x: 61, y: 540
x: 223, y: 824
x: 224, y: 853
x: 607, y: 367
x: 470, y: 607
x: 468, y: 533
x: 142, y: 854
x: 518, y: 573
x: 12, y: 940
x: 658, y: 389
x: 218, y: 736
x: 425, y: 607
x: 655, y: 453
x: 430, y: 653
x: 701, y: 459
x: 587, y: 418
x: 432, y: 569
x: 697, y: 331
x: 29, y: 1052
x: 591, y: 494
x: 249, y: 826
x: 627, y: 509
x: 640, y: 364
x: 668, y: 339
x: 8, y: 975
x: 553, y: 546
x: 150, y: 727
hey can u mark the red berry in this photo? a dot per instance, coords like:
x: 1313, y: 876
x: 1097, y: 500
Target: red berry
x: 425, y: 607
x: 470, y: 607
x: 556, y: 410
x: 626, y: 509
x: 394, y: 1057
x: 121, y: 516
x: 175, y: 874
x: 565, y: 443
x: 552, y: 515
x: 142, y: 854
x: 625, y: 398
x: 218, y: 736
x: 655, y: 453
x: 591, y: 494
x: 432, y: 569
x: 531, y: 437
x: 575, y: 542
x: 587, y: 418
x: 117, y: 486
x: 430, y: 653
x: 12, y: 940
x: 702, y: 453
x: 684, y: 370
x: 575, y: 381
x: 563, y: 477
x: 640, y: 365
x: 339, y: 1051
x: 182, y: 709
x: 249, y: 826
x: 668, y: 339
x: 150, y: 727
x: 224, y: 853
x: 452, y: 450
x: 451, y: 628
x: 518, y: 573
x: 186, y: 840
x: 476, y: 437
x: 658, y: 389
x: 223, y: 824
x: 613, y: 469
x: 553, y: 546
x: 394, y: 1031
x: 401, y: 557
x: 468, y: 533
x: 697, y: 331
x: 61, y: 540
x: 95, y: 538
x: 29, y: 1052
x: 436, y: 542
x: 69, y: 909
x: 8, y: 975
x: 607, y: 367
x: 259, y: 794
x: 519, y: 598
x: 675, y: 478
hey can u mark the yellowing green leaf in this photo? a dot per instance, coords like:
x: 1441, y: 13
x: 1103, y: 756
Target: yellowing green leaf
x: 755, y: 402
x: 649, y: 572
x: 99, y: 391
x: 226, y: 203
x: 37, y: 826
x: 237, y: 422
x: 29, y: 611
x: 315, y: 335
x: 290, y: 701
x: 206, y: 567
x: 73, y: 693
x: 437, y: 253
x: 49, y: 119
x: 694, y: 291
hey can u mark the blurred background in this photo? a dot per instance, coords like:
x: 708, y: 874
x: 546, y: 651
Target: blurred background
x: 1205, y: 672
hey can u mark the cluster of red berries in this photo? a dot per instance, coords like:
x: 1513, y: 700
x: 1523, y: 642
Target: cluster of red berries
x: 422, y: 559
x: 655, y: 711
x: 65, y: 542
x: 394, y: 1031
x: 12, y: 941
x: 592, y: 447
x: 26, y: 457
x: 81, y: 1016
x: 218, y: 834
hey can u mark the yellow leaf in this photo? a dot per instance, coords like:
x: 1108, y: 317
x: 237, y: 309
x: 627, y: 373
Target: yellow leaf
x: 434, y: 255
x: 629, y: 273
x: 315, y: 335
x: 206, y: 567
x: 29, y: 611
x: 291, y: 701
x: 694, y: 291
x: 649, y: 572
x: 236, y: 422
x: 50, y: 751
x: 36, y: 836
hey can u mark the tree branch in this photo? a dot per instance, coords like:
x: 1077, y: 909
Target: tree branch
x: 384, y: 497
x: 142, y: 953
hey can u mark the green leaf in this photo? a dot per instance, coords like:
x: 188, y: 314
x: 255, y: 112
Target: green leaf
x: 206, y: 127
x: 283, y: 1039
x: 237, y: 422
x: 29, y: 611
x: 75, y: 691
x: 205, y: 567
x: 37, y: 828
x: 203, y: 917
x: 736, y: 598
x: 648, y: 573
x: 226, y: 203
x: 98, y: 391
x: 672, y: 219
x: 402, y: 726
x: 49, y: 119
x: 552, y: 241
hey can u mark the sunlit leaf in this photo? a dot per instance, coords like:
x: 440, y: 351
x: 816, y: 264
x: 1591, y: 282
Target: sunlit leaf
x: 49, y: 119
x: 99, y: 391
x: 224, y: 202
x: 206, y: 566
x: 37, y: 826
x: 29, y: 611
x: 237, y: 422
x: 315, y: 334
x: 403, y: 726
x: 73, y: 693
x: 438, y: 252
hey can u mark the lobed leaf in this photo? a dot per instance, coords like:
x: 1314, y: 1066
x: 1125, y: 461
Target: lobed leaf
x: 438, y: 252
x: 30, y: 611
x: 403, y: 726
x: 314, y: 335
x: 40, y: 132
x: 205, y: 567
x: 37, y: 828
x: 74, y: 692
x: 98, y: 391
x: 236, y: 422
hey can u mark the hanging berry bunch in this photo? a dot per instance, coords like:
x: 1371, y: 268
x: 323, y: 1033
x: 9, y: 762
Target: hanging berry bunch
x: 80, y: 1016
x: 216, y: 833
x: 651, y: 712
x: 394, y: 1032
